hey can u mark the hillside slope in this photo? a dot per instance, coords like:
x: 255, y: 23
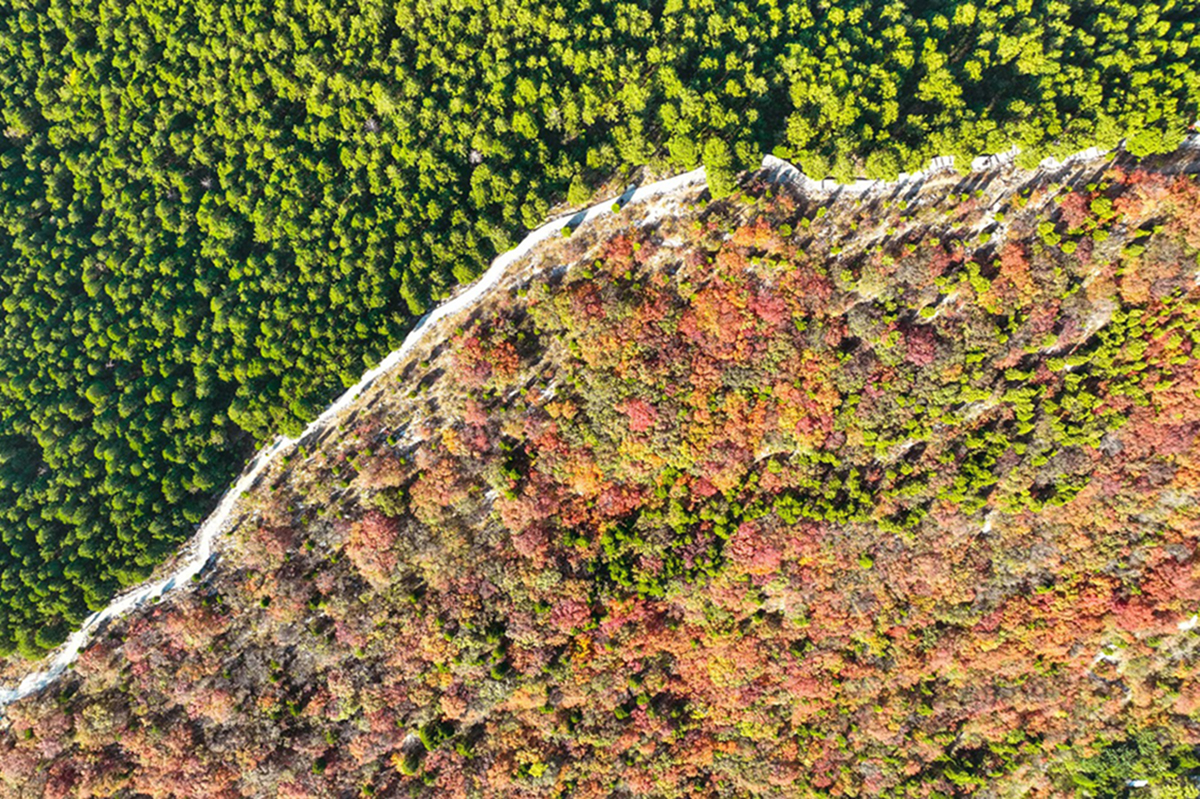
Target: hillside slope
x: 214, y: 216
x: 777, y: 495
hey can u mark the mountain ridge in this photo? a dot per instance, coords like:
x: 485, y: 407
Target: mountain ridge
x: 198, y: 550
x: 776, y: 494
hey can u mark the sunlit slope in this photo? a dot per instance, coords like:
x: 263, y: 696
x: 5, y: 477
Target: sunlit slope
x: 773, y: 496
x: 215, y: 215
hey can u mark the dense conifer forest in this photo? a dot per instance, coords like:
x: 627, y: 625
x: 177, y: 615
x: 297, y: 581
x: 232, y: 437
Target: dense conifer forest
x: 215, y: 214
x: 769, y: 496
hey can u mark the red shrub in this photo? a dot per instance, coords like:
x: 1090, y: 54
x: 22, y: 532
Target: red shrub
x: 369, y: 547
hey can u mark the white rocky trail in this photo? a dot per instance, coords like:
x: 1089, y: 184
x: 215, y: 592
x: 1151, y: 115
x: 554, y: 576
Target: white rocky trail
x: 200, y: 548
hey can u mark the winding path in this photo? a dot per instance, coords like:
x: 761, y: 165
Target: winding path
x: 200, y: 548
